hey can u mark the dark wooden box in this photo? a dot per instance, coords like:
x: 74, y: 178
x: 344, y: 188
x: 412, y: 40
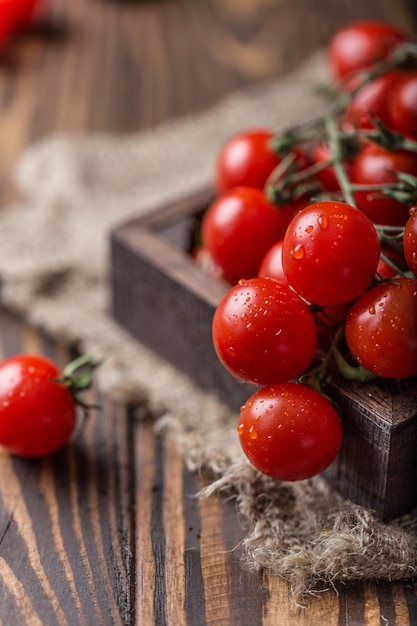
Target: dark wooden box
x: 162, y: 297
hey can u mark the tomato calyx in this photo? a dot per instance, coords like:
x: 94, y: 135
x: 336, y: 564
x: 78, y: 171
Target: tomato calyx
x: 77, y: 376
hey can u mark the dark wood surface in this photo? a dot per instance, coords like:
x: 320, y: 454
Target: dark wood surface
x: 108, y: 531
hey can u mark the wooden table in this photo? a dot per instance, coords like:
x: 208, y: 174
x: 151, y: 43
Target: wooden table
x: 108, y: 531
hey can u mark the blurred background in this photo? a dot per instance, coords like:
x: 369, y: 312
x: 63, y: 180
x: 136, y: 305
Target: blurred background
x: 120, y: 66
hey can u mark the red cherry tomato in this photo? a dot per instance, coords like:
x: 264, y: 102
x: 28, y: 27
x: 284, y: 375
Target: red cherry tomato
x: 361, y: 44
x: 322, y: 258
x: 410, y: 241
x: 13, y: 15
x: 271, y: 265
x: 402, y: 105
x: 245, y: 160
x: 381, y: 329
x: 37, y: 415
x: 263, y: 332
x: 374, y: 166
x: 238, y: 229
x: 289, y: 431
x: 371, y: 98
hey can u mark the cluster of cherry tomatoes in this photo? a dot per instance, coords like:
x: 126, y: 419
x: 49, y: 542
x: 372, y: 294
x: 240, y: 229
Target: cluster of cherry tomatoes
x: 315, y: 230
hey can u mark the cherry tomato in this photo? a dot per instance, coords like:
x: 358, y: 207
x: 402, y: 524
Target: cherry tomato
x: 37, y: 415
x: 410, y: 241
x: 289, y: 431
x: 371, y: 98
x: 381, y: 329
x: 263, y: 332
x: 374, y: 166
x: 402, y: 105
x: 361, y: 44
x: 321, y: 256
x: 271, y: 265
x: 13, y: 15
x: 245, y: 160
x: 238, y: 229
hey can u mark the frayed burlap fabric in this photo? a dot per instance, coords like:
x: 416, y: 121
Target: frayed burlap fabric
x: 54, y: 267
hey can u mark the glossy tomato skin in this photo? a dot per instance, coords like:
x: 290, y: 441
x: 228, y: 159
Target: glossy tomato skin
x: 402, y: 105
x: 263, y: 332
x: 361, y: 44
x: 410, y: 241
x: 271, y: 264
x: 330, y: 254
x: 381, y: 329
x: 289, y: 431
x: 374, y: 166
x: 239, y: 227
x: 371, y: 98
x: 37, y: 415
x: 245, y: 160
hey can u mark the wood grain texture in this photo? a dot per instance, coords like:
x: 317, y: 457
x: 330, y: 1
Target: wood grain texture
x: 109, y: 530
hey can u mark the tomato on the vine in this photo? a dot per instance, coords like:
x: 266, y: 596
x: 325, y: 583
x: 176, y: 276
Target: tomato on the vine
x: 263, y: 332
x: 372, y: 98
x: 245, y: 160
x: 360, y: 44
x: 289, y: 431
x: 402, y: 104
x: 239, y: 227
x: 321, y: 257
x: 381, y: 329
x: 271, y: 264
x: 410, y: 241
x: 13, y: 15
x: 37, y: 408
x: 374, y: 166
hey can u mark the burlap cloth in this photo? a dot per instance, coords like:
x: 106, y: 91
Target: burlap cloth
x: 54, y: 262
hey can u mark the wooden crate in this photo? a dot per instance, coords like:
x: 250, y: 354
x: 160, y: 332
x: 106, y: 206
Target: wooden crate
x: 165, y: 300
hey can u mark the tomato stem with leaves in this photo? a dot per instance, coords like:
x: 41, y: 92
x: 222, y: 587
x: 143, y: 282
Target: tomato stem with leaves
x: 77, y: 376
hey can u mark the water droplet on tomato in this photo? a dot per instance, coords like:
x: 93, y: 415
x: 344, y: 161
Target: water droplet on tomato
x: 309, y: 228
x: 323, y: 221
x: 253, y: 434
x: 240, y: 429
x: 298, y: 252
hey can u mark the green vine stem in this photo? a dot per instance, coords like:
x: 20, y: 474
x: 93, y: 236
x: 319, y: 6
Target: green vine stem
x: 77, y: 376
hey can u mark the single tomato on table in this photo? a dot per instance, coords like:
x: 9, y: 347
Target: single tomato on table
x: 289, y: 431
x: 38, y: 403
